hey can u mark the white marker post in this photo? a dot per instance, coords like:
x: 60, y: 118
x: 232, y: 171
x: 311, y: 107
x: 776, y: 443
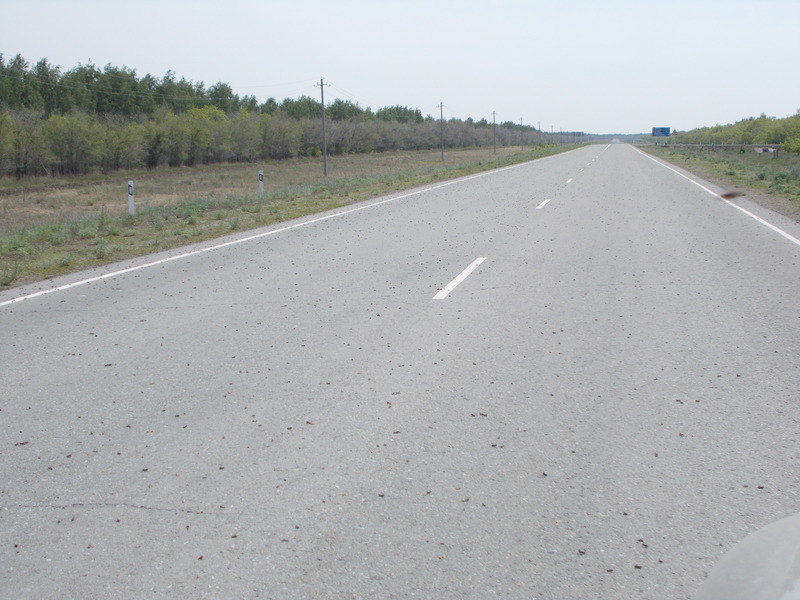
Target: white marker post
x: 261, y: 184
x: 131, y: 208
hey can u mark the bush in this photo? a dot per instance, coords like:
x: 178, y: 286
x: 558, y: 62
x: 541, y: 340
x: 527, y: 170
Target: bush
x: 101, y: 249
x: 88, y: 231
x: 792, y: 145
x: 9, y: 274
x: 58, y: 235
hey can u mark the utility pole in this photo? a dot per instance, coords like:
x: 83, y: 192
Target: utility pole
x: 322, y: 85
x: 521, y: 135
x: 494, y: 131
x: 441, y: 119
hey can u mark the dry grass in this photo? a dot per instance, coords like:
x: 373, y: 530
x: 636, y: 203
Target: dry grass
x: 52, y: 227
x: 48, y: 201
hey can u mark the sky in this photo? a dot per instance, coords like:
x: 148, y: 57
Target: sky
x: 598, y: 66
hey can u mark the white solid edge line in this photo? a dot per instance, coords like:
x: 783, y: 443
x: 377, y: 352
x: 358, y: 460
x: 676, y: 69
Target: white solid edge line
x: 543, y: 204
x: 458, y: 280
x: 271, y: 232
x: 774, y: 228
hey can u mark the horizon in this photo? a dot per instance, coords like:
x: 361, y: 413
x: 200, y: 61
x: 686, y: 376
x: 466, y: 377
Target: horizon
x: 619, y: 67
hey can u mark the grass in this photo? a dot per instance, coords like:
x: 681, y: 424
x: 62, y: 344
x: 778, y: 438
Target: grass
x: 52, y: 227
x: 763, y: 172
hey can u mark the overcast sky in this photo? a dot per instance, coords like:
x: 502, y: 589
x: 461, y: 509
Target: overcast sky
x: 600, y: 66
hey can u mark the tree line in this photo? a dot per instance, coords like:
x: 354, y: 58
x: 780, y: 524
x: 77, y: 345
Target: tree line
x: 87, y: 119
x: 760, y: 130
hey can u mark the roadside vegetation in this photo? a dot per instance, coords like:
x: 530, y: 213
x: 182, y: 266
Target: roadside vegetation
x: 89, y: 120
x: 762, y: 130
x: 776, y: 174
x: 54, y: 228
x: 760, y: 155
x: 70, y: 141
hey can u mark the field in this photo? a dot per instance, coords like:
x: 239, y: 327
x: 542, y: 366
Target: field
x: 50, y: 227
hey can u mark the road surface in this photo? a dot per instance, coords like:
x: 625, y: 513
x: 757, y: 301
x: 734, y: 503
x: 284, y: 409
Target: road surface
x: 573, y: 378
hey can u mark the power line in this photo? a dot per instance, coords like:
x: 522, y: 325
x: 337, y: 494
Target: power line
x: 351, y: 95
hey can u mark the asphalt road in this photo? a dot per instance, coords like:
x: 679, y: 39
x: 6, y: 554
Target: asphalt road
x: 601, y: 408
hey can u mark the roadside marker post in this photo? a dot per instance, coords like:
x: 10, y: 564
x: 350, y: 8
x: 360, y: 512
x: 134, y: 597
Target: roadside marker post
x: 261, y: 184
x: 131, y: 206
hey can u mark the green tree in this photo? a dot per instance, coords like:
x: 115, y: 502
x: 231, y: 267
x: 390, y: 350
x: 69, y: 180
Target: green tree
x: 74, y: 142
x: 5, y: 84
x: 792, y: 145
x: 181, y: 95
x: 77, y: 89
x: 28, y: 148
x: 246, y: 134
x: 302, y: 108
x: 221, y: 96
x: 47, y: 78
x: 154, y: 138
x: 343, y: 110
x: 176, y: 140
x: 18, y: 89
x: 220, y: 148
x: 123, y: 143
x: 249, y: 103
x: 401, y: 114
x: 208, y: 134
x: 146, y: 91
x: 6, y: 142
x: 116, y: 91
x: 280, y: 137
x: 270, y: 107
